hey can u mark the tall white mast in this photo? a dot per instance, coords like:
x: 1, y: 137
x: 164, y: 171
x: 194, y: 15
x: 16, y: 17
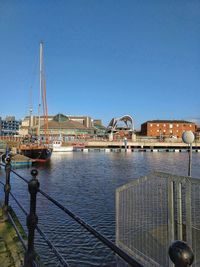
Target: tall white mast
x: 40, y: 94
x: 31, y: 113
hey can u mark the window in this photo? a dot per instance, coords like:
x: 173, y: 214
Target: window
x: 164, y: 125
x: 158, y: 125
x: 157, y: 131
x: 171, y: 125
x: 164, y: 131
x: 171, y: 131
x: 177, y: 125
x: 151, y: 125
x: 190, y: 125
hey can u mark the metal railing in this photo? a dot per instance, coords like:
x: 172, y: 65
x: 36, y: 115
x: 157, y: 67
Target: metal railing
x: 155, y: 210
x: 30, y: 258
x: 179, y: 252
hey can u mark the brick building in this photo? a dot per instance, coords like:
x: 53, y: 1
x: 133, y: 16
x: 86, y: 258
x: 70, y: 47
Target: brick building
x: 167, y: 128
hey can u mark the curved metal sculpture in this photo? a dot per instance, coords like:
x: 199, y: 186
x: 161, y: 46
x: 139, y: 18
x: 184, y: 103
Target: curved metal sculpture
x: 113, y: 126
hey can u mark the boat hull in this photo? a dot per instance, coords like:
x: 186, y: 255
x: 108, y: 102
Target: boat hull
x: 38, y: 154
x: 63, y: 149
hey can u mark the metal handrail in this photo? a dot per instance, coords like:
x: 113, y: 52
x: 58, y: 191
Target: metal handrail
x: 89, y: 228
x: 42, y: 234
x: 176, y: 251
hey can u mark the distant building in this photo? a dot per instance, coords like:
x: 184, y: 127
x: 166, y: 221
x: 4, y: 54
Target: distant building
x: 167, y: 128
x: 99, y: 129
x: 120, y: 128
x: 0, y: 126
x: 68, y: 126
x: 69, y: 129
x: 197, y: 136
x: 9, y: 126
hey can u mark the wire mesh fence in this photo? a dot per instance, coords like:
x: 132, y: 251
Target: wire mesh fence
x: 155, y: 210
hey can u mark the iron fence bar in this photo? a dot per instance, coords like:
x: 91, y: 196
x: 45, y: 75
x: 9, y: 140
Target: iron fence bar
x: 179, y: 211
x: 1, y: 164
x: 171, y: 230
x: 31, y: 220
x: 90, y: 229
x: 54, y: 249
x: 42, y: 234
x: 19, y: 176
x: 188, y: 212
x: 175, y: 177
x: 7, y: 188
x: 19, y: 205
x: 17, y: 231
x: 35, y: 264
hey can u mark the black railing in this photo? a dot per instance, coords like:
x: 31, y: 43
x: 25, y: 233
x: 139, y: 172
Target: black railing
x: 179, y: 252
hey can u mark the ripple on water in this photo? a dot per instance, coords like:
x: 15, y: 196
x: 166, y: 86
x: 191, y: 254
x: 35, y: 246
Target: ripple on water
x: 86, y: 184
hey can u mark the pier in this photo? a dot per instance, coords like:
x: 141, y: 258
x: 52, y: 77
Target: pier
x: 138, y: 146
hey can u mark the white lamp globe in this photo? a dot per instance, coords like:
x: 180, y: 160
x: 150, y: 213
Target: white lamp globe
x: 188, y: 137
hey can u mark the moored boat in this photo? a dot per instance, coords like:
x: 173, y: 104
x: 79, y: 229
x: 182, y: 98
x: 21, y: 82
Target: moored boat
x: 35, y: 149
x: 37, y: 152
x: 58, y: 147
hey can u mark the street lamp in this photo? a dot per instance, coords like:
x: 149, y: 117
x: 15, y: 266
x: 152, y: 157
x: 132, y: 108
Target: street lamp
x: 125, y: 144
x: 188, y: 138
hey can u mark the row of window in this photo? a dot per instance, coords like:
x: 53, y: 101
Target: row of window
x: 171, y: 131
x: 170, y: 125
x: 10, y: 124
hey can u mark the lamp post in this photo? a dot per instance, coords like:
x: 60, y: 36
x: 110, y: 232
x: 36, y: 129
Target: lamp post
x: 125, y: 144
x: 188, y: 138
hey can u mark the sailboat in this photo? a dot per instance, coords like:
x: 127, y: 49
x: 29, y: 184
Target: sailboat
x: 34, y: 148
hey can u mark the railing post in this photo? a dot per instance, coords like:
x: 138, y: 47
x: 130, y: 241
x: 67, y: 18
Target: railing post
x: 31, y: 220
x: 7, y: 187
x: 181, y: 254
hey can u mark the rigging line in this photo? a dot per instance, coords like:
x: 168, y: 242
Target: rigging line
x: 46, y: 113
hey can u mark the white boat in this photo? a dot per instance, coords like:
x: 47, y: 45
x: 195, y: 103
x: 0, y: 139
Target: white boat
x: 58, y: 147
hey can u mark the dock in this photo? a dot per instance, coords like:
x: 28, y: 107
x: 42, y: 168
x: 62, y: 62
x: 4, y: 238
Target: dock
x: 138, y: 146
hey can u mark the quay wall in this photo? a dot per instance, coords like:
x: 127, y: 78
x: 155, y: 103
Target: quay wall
x: 140, y: 144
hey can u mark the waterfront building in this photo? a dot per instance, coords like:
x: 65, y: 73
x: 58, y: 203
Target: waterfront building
x: 9, y: 126
x: 167, y: 128
x: 63, y: 126
x: 197, y: 136
x: 68, y: 126
x: 29, y: 123
x: 0, y: 126
x: 99, y: 129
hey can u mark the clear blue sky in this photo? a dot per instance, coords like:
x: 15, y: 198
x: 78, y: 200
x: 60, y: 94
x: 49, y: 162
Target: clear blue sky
x: 103, y: 58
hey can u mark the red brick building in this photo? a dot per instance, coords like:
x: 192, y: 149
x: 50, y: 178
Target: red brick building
x: 167, y: 128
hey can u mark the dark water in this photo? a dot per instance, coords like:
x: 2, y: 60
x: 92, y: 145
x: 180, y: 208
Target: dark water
x: 85, y: 183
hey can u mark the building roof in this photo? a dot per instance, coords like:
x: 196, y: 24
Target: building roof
x: 168, y: 121
x: 69, y: 124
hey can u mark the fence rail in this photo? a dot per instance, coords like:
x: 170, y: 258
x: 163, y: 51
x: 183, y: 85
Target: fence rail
x: 33, y: 185
x: 154, y: 210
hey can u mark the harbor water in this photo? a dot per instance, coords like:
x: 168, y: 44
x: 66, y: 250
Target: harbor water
x: 85, y: 183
